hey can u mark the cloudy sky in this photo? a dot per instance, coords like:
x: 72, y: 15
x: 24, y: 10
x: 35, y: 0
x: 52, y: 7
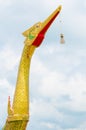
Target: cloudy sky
x: 58, y: 72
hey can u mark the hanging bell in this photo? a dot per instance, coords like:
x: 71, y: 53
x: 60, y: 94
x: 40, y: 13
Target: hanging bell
x: 62, y: 38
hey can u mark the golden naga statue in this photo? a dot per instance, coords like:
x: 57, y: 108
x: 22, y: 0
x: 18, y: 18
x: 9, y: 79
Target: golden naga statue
x: 18, y: 113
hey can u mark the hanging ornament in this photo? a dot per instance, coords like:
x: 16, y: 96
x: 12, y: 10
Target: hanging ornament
x: 62, y: 38
x: 62, y: 41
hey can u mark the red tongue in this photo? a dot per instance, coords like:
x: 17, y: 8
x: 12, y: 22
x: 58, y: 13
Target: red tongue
x: 38, y: 40
x: 48, y: 25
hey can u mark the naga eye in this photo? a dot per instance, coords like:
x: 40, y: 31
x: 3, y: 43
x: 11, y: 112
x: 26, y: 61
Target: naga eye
x: 37, y: 25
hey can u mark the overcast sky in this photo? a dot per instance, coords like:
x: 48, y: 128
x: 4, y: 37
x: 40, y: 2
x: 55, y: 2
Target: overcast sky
x: 58, y: 72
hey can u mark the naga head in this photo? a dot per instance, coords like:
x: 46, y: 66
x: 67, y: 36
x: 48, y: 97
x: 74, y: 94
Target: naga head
x: 35, y: 34
x: 32, y: 33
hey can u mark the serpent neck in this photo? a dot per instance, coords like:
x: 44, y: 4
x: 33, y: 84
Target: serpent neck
x: 21, y: 96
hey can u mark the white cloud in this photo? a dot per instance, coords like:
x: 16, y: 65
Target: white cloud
x: 56, y: 85
x: 4, y: 83
x: 83, y: 126
x: 48, y: 125
x: 85, y: 3
x: 80, y: 127
x: 44, y: 110
x: 6, y: 89
x: 37, y: 66
x: 5, y: 3
x: 8, y: 58
x: 73, y: 18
